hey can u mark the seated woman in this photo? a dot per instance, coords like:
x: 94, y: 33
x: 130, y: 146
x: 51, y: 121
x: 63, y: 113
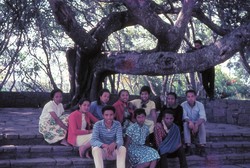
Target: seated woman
x: 80, y: 127
x: 96, y: 106
x: 168, y: 140
x: 140, y: 155
x: 52, y: 124
x: 123, y: 111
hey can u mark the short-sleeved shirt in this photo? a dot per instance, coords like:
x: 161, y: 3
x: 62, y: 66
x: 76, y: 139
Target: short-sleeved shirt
x: 149, y: 106
x: 138, y: 152
x: 51, y: 106
x: 194, y: 113
x: 102, y: 135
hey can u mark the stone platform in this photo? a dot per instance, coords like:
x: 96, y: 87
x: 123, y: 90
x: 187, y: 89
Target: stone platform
x: 21, y: 145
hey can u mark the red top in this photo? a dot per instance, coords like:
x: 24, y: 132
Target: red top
x: 119, y: 110
x: 75, y: 125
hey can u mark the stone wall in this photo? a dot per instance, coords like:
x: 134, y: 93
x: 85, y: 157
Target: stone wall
x: 27, y: 99
x: 218, y: 111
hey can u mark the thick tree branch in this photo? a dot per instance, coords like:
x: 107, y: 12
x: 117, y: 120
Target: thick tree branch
x: 166, y: 63
x: 113, y: 22
x: 244, y: 61
x: 65, y: 17
x: 205, y: 20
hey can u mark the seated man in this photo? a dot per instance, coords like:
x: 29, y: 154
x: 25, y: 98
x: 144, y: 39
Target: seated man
x: 195, y: 118
x: 168, y: 139
x: 107, y: 140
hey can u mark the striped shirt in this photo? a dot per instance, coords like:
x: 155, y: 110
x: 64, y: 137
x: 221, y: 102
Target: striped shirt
x: 102, y: 135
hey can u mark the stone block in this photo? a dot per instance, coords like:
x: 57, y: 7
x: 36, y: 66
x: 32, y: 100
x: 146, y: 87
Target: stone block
x: 244, y: 119
x: 4, y: 163
x: 63, y: 162
x: 23, y: 149
x: 62, y: 148
x: 27, y: 136
x: 218, y: 145
x: 11, y: 136
x: 41, y: 148
x: 34, y: 162
x: 9, y: 148
x: 219, y: 112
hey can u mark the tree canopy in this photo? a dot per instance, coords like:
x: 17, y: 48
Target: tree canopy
x: 170, y: 25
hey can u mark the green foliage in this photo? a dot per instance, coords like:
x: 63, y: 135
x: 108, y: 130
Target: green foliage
x: 230, y: 87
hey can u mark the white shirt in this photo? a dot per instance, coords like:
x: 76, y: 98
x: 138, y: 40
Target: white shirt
x: 51, y: 106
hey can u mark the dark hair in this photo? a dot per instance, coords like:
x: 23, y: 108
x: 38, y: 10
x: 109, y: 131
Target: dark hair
x: 108, y: 108
x: 123, y: 90
x: 173, y: 94
x: 53, y: 92
x: 191, y: 91
x: 145, y: 89
x: 198, y: 41
x: 83, y: 100
x: 100, y: 94
x: 139, y: 111
x: 163, y: 113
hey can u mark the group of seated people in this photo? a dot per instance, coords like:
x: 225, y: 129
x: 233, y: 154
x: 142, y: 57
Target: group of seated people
x: 131, y: 132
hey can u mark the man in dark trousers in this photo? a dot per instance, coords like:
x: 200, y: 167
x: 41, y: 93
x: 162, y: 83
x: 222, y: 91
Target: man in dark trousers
x: 208, y: 75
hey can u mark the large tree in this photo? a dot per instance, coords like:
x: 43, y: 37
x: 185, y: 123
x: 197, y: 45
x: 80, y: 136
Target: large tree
x: 89, y: 62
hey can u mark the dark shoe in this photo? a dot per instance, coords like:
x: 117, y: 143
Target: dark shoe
x: 203, y: 152
x: 188, y: 151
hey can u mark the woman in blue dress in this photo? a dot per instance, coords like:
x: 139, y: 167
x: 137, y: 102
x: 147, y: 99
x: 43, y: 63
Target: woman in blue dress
x: 140, y: 155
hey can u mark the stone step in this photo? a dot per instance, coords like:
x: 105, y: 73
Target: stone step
x: 56, y: 162
x: 36, y: 151
x: 35, y: 138
x: 228, y: 136
x: 213, y: 161
x: 228, y: 147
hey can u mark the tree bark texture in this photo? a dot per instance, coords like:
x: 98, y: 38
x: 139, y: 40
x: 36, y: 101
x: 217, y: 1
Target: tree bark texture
x: 89, y: 67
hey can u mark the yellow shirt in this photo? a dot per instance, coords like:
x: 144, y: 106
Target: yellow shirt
x: 149, y: 106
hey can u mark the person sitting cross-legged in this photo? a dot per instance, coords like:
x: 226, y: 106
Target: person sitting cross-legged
x: 168, y: 140
x: 107, y: 140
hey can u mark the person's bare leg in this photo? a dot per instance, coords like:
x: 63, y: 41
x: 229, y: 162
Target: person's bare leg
x: 83, y: 149
x: 64, y: 142
x: 153, y: 164
x: 143, y: 165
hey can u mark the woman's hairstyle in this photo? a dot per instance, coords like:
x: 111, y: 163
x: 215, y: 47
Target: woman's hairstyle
x: 100, y: 94
x: 53, y: 92
x: 139, y: 111
x: 83, y: 100
x: 172, y: 94
x: 191, y: 91
x: 145, y: 89
x: 108, y: 108
x: 123, y: 90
